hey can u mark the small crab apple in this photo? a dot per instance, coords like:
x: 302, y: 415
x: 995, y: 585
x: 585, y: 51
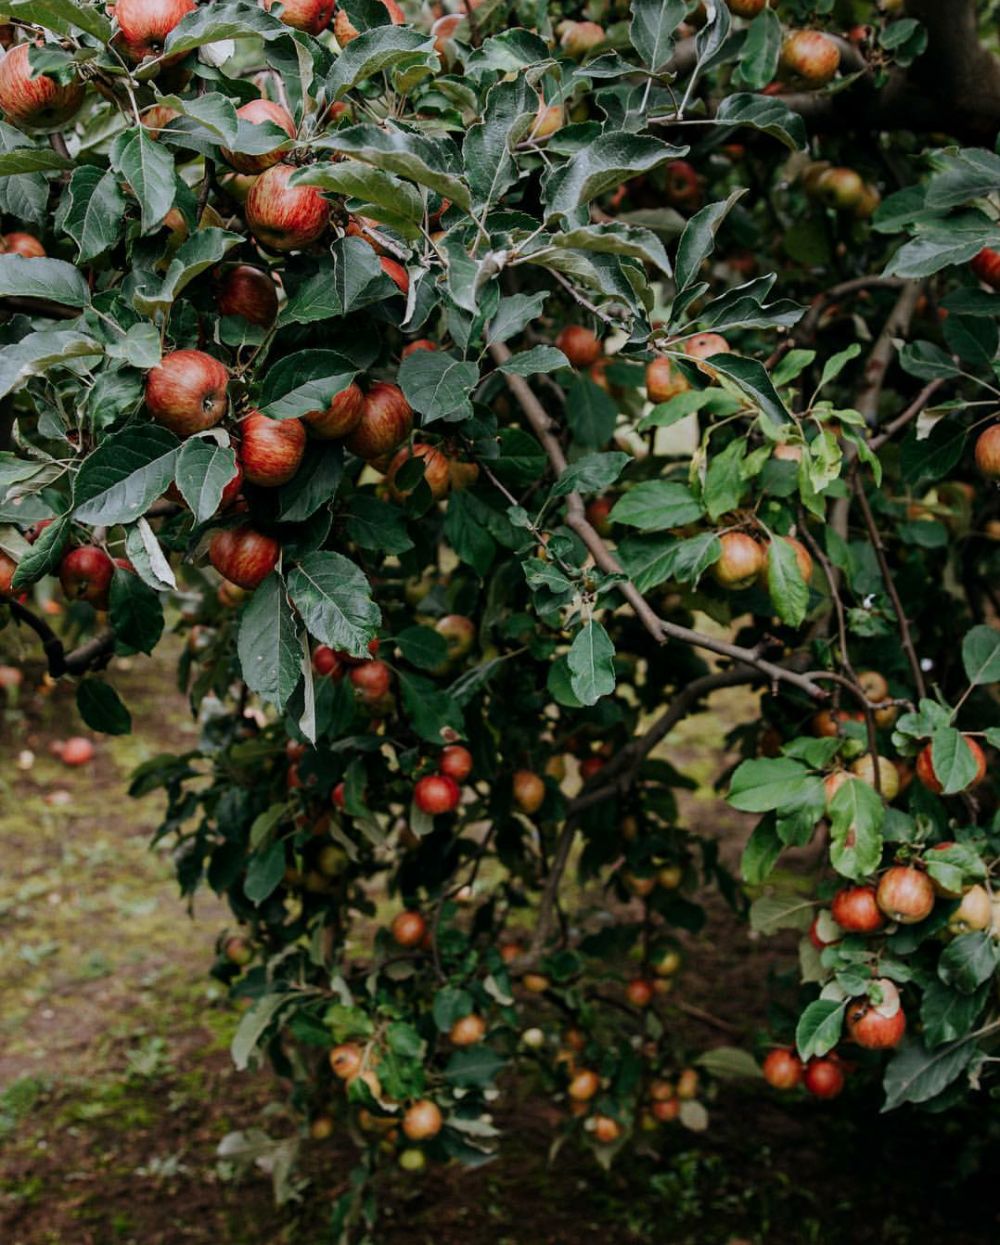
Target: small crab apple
x: 824, y: 1077
x: 408, y: 928
x: 877, y: 1026
x: 988, y: 451
x: 810, y: 57
x: 740, y: 561
x: 528, y: 790
x: 856, y: 910
x: 346, y: 1060
x: 580, y: 345
x: 925, y: 766
x: 783, y: 1068
x: 467, y: 1030
x: 905, y: 894
x: 664, y: 381
x: 422, y: 1120
x: 986, y: 266
x: 455, y: 762
x: 436, y: 793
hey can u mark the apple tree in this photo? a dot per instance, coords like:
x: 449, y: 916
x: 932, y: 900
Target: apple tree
x: 476, y: 391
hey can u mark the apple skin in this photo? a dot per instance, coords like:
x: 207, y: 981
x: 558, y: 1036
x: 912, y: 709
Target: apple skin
x: 7, y: 568
x: 455, y: 763
x: 386, y: 421
x: 905, y: 894
x: 24, y: 244
x: 783, y: 1069
x: 76, y: 751
x: 422, y: 343
x: 580, y: 345
x: 529, y: 791
x: 548, y: 119
x: 345, y: 32
x: 436, y: 793
x: 396, y: 273
x: 663, y: 382
x: 186, y: 391
x: 340, y: 418
x: 244, y: 556
x: 326, y: 662
x: 459, y: 632
x: 747, y: 8
x: 988, y: 451
x: 703, y: 346
x: 824, y: 1078
x: 925, y: 766
x: 584, y: 1085
x: 864, y: 769
x: 312, y: 16
x: 810, y: 57
x: 272, y: 449
x: 437, y: 470
x: 285, y: 218
x: 639, y: 992
x: 40, y: 103
x: 408, y: 928
x: 145, y: 24
x: 371, y: 681
x: 85, y: 574
x: 345, y: 1060
x: 580, y: 38
x: 856, y: 910
x: 422, y: 1120
x: 740, y: 561
x: 868, y: 1028
x: 467, y: 1030
x: 248, y: 292
x: 157, y: 118
x: 255, y: 112
x: 986, y: 266
x: 682, y: 187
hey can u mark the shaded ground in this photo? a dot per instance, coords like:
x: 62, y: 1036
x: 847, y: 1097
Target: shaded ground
x: 116, y: 1084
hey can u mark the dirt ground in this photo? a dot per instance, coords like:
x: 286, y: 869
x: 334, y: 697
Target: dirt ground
x: 116, y: 1084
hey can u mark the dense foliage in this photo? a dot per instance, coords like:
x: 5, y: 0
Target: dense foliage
x: 476, y: 393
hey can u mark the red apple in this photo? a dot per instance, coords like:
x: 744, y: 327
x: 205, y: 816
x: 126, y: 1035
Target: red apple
x: 7, y: 568
x: 157, y: 118
x: 682, y: 188
x: 145, y: 24
x: 783, y: 1068
x: 35, y: 103
x: 810, y: 56
x: 925, y: 766
x: 455, y: 763
x: 283, y: 217
x: 255, y: 112
x: 436, y: 793
x: 186, y: 391
x: 639, y: 992
x: 396, y: 273
x: 459, y: 632
x: 422, y: 343
x: 598, y: 514
x: 529, y: 791
x: 877, y: 1026
x: 340, y: 418
x: 272, y: 449
x: 905, y: 894
x: 371, y: 680
x: 740, y: 561
x: 856, y: 910
x: 437, y: 470
x: 312, y: 16
x: 25, y: 244
x: 747, y: 8
x: 386, y: 421
x: 703, y: 346
x: 584, y: 1085
x: 345, y: 31
x: 76, y: 751
x: 326, y: 662
x: 803, y: 559
x: 580, y: 345
x: 606, y: 1130
x: 467, y: 1030
x: 408, y: 928
x: 85, y: 575
x: 988, y: 450
x: 663, y: 382
x: 824, y: 1078
x: 248, y: 292
x: 346, y: 1060
x: 590, y: 766
x: 986, y: 266
x: 422, y: 1121
x: 244, y: 556
x: 580, y: 38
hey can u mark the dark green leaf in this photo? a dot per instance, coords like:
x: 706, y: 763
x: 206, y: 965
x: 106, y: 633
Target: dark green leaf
x: 101, y: 709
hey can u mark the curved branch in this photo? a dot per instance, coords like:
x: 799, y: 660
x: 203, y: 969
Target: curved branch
x: 80, y: 660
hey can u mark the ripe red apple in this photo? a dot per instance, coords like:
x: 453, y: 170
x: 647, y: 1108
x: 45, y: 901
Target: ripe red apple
x: 340, y: 418
x: 820, y: 922
x: 248, y: 292
x: 312, y: 16
x: 371, y: 681
x: 663, y: 382
x: 344, y: 31
x: 986, y: 266
x: 584, y: 1085
x: 740, y: 561
x: 598, y: 514
x: 35, y: 103
x: 386, y: 421
x: 396, y: 273
x: 826, y: 722
x: 186, y: 391
x: 422, y: 343
x: 580, y: 345
x: 667, y: 1110
x: 437, y: 470
x: 639, y: 992
x: 255, y: 112
x: 682, y: 188
x: 528, y: 790
x: 24, y: 244
x: 783, y: 1068
x: 337, y: 795
x: 76, y: 751
x: 272, y: 449
x: 85, y: 575
x: 856, y: 910
x: 244, y: 556
x: 467, y: 1031
x: 350, y: 660
x: 455, y: 763
x: 810, y: 56
x: 345, y: 1060
x: 590, y: 766
x: 606, y: 1130
x: 905, y: 894
x: 824, y: 1078
x: 7, y: 568
x: 988, y: 450
x: 408, y: 928
x: 703, y: 346
x: 436, y: 793
x: 145, y: 24
x: 283, y: 217
x: 747, y: 8
x: 422, y: 1120
x: 925, y: 766
x: 326, y: 662
x: 877, y: 1026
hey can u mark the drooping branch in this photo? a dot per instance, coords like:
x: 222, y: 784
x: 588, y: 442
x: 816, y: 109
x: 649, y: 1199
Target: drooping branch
x: 79, y: 660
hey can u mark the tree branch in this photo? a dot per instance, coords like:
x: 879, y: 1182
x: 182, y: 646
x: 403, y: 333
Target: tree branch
x: 80, y: 660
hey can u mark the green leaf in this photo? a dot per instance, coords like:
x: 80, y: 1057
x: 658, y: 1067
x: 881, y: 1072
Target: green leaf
x: 255, y: 1022
x: 698, y: 239
x: 948, y: 1014
x: 724, y: 483
x: 268, y: 643
x: 101, y: 709
x: 591, y: 663
x: 771, y: 783
x: 438, y: 385
x: 836, y: 364
x: 590, y: 412
x: 451, y: 1004
x: 94, y: 211
x: 531, y: 362
x: 954, y: 765
x: 202, y: 250
x: 202, y: 471
x: 767, y: 114
x: 591, y: 474
x: 972, y: 338
x: 934, y: 455
x: 122, y: 478
x: 64, y: 17
x: 44, y: 555
x: 314, y: 484
x: 31, y: 160
x: 760, y: 51
x: 968, y: 961
x: 753, y: 381
x: 434, y: 714
x: 761, y: 852
x: 147, y: 557
x: 468, y: 534
x: 306, y: 381
x: 490, y: 167
x: 915, y: 1074
x: 215, y: 22
x: 856, y: 816
x: 654, y: 23
x: 148, y: 167
x: 788, y: 590
x: 954, y: 241
x: 423, y: 647
x: 819, y: 1028
x: 216, y: 113
x: 616, y: 238
x: 513, y: 315
x: 374, y: 52
x: 729, y: 1063
x: 264, y: 873
x: 334, y: 598
x: 351, y: 178
x: 136, y: 612
x: 602, y: 165
x: 51, y: 279
x: 25, y: 196
x: 981, y: 655
x: 654, y: 505
x: 476, y: 1065
x: 374, y: 524
x: 431, y: 162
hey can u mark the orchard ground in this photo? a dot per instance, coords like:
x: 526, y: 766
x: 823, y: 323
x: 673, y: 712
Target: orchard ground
x: 116, y: 1084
